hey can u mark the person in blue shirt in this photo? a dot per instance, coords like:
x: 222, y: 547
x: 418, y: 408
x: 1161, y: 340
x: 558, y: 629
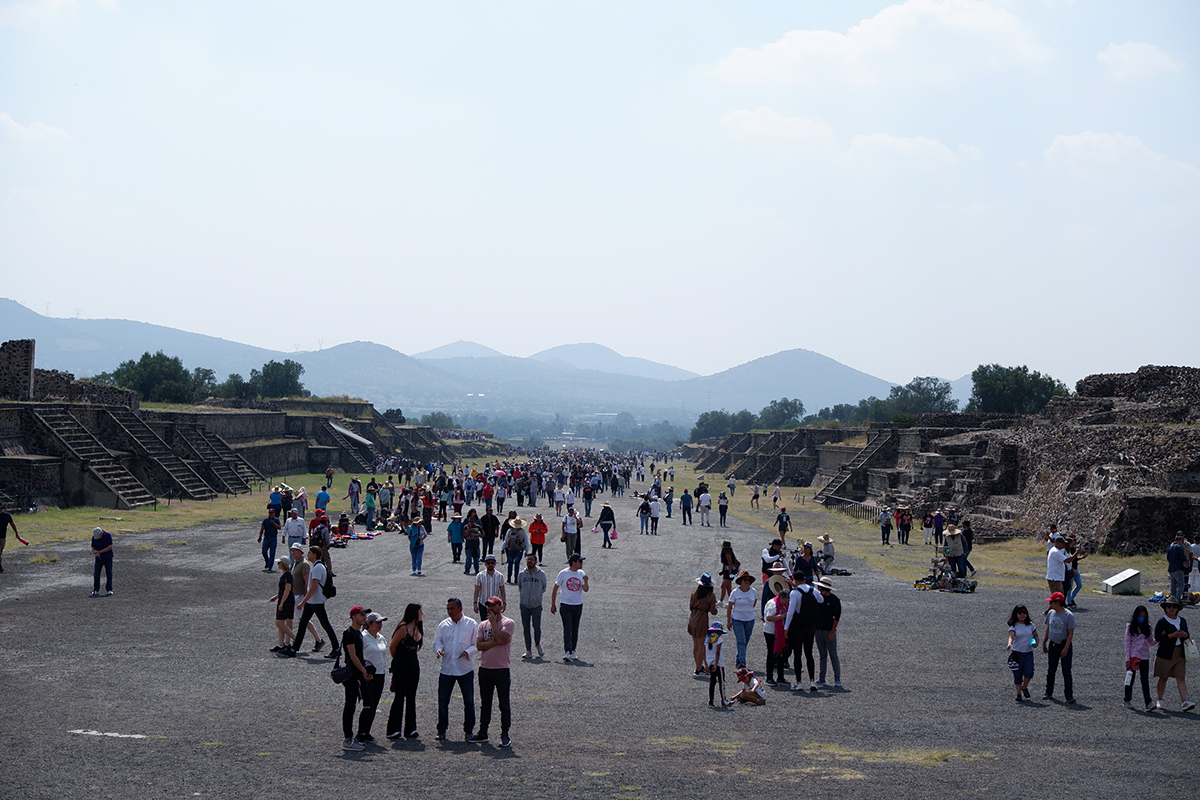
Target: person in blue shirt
x: 102, y: 549
x: 454, y: 535
x: 322, y: 500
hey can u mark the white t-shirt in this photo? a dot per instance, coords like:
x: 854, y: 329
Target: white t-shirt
x: 655, y: 508
x: 1024, y: 631
x: 570, y: 586
x: 375, y: 651
x: 570, y: 524
x: 756, y: 687
x: 706, y: 500
x: 318, y: 574
x: 742, y: 604
x: 710, y: 650
x: 1055, y: 564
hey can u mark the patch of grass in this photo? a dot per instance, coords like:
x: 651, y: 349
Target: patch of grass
x: 929, y: 758
x: 177, y: 542
x: 212, y: 744
x: 44, y: 559
x: 143, y: 547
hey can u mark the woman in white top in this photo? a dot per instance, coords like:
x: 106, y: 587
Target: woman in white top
x: 739, y: 614
x: 375, y: 656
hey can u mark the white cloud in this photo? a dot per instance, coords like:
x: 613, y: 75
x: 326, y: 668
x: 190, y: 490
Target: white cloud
x: 918, y: 150
x: 970, y: 152
x: 1135, y: 61
x: 33, y: 132
x: 1109, y: 155
x: 769, y: 123
x: 925, y: 38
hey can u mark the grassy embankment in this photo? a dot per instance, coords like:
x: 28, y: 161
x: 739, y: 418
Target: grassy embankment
x: 1010, y: 563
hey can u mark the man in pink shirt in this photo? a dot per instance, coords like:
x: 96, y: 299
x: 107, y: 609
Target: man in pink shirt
x: 494, y: 641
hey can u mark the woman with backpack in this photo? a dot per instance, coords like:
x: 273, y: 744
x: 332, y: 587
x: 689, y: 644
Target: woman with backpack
x: 514, y: 548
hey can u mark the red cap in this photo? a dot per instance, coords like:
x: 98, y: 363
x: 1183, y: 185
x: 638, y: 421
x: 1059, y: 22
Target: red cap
x: 359, y: 610
x: 1056, y: 597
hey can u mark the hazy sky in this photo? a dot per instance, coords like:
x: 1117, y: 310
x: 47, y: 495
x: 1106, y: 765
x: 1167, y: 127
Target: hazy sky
x: 911, y: 189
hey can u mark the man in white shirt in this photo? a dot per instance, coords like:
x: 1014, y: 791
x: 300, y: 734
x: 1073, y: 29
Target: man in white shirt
x: 572, y: 582
x: 454, y: 644
x: 294, y: 528
x: 570, y: 529
x: 1056, y: 571
x: 655, y: 513
x: 705, y: 504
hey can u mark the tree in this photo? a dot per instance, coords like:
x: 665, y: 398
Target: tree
x: 742, y: 421
x: 438, y: 419
x: 921, y: 395
x: 709, y: 425
x: 204, y: 383
x: 1012, y: 390
x: 281, y: 380
x: 157, y: 378
x: 394, y: 416
x: 781, y: 414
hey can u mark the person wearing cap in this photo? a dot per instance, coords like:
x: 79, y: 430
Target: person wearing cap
x: 829, y: 614
x: 537, y: 536
x: 285, y: 604
x: 1060, y: 632
x: 570, y: 532
x: 701, y: 606
x: 783, y: 524
x: 515, y: 546
x: 1179, y: 563
x: 352, y: 646
x: 531, y: 585
x: 572, y: 582
x: 375, y: 655
x: 493, y: 640
x: 313, y: 604
x: 714, y: 660
x: 454, y: 643
x: 1170, y: 632
x: 300, y: 570
x: 739, y: 614
x: 1056, y: 564
x: 102, y: 550
x: 488, y: 583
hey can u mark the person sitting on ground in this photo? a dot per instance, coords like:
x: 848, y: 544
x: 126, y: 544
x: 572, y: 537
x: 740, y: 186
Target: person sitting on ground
x: 754, y: 691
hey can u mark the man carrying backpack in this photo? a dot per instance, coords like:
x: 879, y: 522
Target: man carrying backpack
x: 313, y: 605
x: 514, y: 547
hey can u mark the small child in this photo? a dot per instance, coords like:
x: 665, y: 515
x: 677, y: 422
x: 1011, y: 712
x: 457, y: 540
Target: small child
x: 715, y: 661
x: 754, y: 691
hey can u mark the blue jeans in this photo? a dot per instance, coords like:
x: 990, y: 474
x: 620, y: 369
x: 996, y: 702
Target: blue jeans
x: 466, y: 683
x: 104, y: 561
x: 1075, y: 584
x: 1178, y: 583
x: 370, y: 519
x: 959, y: 565
x: 606, y: 527
x: 353, y: 505
x: 514, y: 565
x: 1056, y: 657
x: 742, y: 629
x: 669, y: 502
x: 587, y: 507
x: 645, y: 520
x: 472, y: 558
x: 418, y: 557
x: 269, y: 544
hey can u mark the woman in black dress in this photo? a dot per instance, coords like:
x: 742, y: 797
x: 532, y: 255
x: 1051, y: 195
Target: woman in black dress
x: 406, y: 672
x: 285, y: 604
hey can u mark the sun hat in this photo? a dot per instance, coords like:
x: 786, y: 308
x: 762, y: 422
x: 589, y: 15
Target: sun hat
x: 296, y: 546
x: 1172, y: 601
x: 744, y: 673
x: 716, y: 627
x: 777, y: 567
x: 745, y: 576
x: 517, y: 523
x: 705, y: 579
x: 826, y: 583
x: 824, y: 537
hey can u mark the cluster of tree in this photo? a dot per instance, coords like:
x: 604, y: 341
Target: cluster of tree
x: 1012, y: 390
x: 622, y: 432
x: 394, y: 416
x: 902, y: 405
x: 438, y: 419
x: 160, y: 378
x: 780, y: 414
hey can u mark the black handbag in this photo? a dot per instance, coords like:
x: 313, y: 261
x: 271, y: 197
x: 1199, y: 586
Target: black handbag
x: 339, y: 673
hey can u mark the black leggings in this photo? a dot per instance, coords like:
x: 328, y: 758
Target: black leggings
x: 353, y: 686
x: 405, y: 704
x: 775, y: 662
x: 716, y: 678
x: 801, y: 637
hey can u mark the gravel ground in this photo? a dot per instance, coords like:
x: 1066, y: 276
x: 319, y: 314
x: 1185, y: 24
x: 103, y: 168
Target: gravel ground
x: 180, y: 656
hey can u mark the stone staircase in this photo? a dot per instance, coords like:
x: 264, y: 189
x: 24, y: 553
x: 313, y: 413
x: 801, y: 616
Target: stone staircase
x: 78, y: 443
x: 220, y: 472
x: 151, y: 447
x: 847, y: 470
x: 342, y: 443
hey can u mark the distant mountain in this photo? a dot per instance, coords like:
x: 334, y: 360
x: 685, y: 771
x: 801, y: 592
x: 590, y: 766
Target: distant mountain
x: 816, y: 380
x: 603, y: 359
x: 576, y: 381
x: 962, y: 390
x: 460, y: 349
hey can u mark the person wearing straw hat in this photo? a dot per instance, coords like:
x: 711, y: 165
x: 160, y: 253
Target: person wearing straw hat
x: 515, y: 547
x: 826, y: 545
x: 739, y: 614
x: 774, y: 617
x: 607, y: 521
x: 1170, y: 632
x: 801, y: 625
x: 829, y: 614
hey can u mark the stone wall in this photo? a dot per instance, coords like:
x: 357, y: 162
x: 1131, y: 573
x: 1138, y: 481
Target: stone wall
x: 277, y: 458
x: 832, y: 456
x: 16, y: 369
x: 232, y: 426
x: 973, y: 421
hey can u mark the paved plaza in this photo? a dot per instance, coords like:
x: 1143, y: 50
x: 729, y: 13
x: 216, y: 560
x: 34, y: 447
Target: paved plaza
x: 179, y: 656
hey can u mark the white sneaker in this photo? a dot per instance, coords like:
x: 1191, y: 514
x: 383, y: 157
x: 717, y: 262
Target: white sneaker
x: 527, y: 654
x: 1158, y: 705
x: 573, y: 656
x: 351, y: 744
x: 1188, y: 705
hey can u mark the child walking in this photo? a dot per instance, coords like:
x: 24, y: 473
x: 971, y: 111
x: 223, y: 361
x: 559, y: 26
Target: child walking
x: 715, y: 661
x: 1022, y: 637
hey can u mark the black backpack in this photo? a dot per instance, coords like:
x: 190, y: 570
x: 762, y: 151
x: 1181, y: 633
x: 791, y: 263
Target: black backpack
x: 327, y: 588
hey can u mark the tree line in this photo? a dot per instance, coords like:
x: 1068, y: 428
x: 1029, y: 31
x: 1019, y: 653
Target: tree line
x: 160, y: 378
x: 994, y: 389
